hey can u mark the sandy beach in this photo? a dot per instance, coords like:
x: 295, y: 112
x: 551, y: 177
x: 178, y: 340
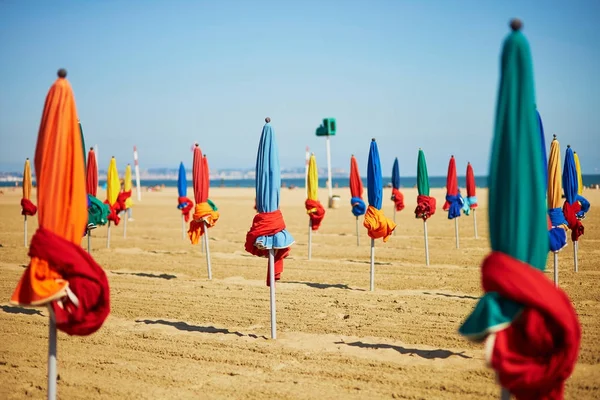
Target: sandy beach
x: 173, y: 334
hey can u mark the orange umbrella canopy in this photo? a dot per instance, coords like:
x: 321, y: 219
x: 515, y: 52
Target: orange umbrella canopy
x: 61, y: 191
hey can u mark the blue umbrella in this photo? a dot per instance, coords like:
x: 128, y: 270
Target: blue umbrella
x: 572, y: 206
x: 569, y: 177
x: 374, y: 180
x: 183, y: 202
x: 181, y: 183
x: 396, y: 174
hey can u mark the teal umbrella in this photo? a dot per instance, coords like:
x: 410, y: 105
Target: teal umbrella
x: 527, y: 363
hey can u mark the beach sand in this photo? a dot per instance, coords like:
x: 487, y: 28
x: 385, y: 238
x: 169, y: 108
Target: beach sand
x: 173, y: 334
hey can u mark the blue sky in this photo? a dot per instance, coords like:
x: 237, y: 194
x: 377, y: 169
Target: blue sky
x: 163, y: 74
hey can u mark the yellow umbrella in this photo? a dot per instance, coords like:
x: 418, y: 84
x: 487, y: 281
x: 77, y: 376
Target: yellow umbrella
x: 27, y: 180
x: 112, y: 194
x: 558, y: 232
x: 579, y: 180
x: 314, y: 208
x: 127, y: 185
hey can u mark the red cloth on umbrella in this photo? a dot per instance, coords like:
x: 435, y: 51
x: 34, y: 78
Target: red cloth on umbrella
x: 122, y: 198
x: 114, y: 210
x: 425, y: 207
x: 316, y: 212
x: 575, y: 225
x: 398, y: 199
x: 471, y: 184
x: 356, y: 184
x: 267, y: 224
x: 185, y: 211
x: 451, y: 183
x: 84, y: 314
x: 91, y: 178
x: 538, y: 351
x: 28, y: 208
x: 198, y: 177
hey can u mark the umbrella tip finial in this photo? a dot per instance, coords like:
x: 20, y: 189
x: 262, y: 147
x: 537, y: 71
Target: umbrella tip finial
x: 62, y: 73
x: 27, y: 159
x: 554, y: 136
x: 196, y: 144
x: 267, y: 120
x: 516, y: 24
x: 91, y: 149
x: 568, y: 146
x: 372, y: 139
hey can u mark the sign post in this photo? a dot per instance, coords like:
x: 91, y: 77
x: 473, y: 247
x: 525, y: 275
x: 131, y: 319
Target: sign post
x: 327, y: 129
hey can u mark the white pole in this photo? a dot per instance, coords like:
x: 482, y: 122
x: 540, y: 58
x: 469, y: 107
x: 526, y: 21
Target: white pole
x: 89, y: 234
x: 456, y: 231
x: 357, y: 234
x: 202, y: 244
x: 307, y: 160
x: 207, y: 251
x: 272, y: 292
x: 372, y: 265
x: 575, y: 248
x: 51, y: 357
x: 125, y: 225
x: 329, y: 170
x: 108, y: 236
x: 505, y: 394
x: 475, y: 223
x: 25, y: 230
x: 393, y: 233
x: 426, y: 243
x: 182, y: 227
x: 137, y: 174
x: 309, y: 238
x: 556, y: 268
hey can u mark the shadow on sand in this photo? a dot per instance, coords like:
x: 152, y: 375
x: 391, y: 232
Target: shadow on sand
x: 146, y: 275
x: 326, y: 285
x: 184, y: 326
x: 21, y: 310
x: 454, y: 296
x: 428, y: 354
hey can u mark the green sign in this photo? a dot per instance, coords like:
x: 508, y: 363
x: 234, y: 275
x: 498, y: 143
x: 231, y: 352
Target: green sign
x: 328, y: 128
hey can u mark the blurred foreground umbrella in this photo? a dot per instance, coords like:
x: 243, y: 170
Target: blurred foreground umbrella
x: 97, y: 211
x: 378, y: 225
x: 112, y: 195
x: 313, y: 206
x: 183, y: 202
x: 454, y: 201
x: 571, y: 207
x: 356, y: 191
x: 61, y: 275
x: 268, y: 237
x: 471, y: 200
x: 397, y: 196
x: 27, y: 207
x: 425, y: 204
x: 531, y: 327
x: 204, y: 215
x: 558, y: 223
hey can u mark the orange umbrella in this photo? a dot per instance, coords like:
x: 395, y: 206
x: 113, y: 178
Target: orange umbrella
x: 27, y: 207
x: 61, y: 274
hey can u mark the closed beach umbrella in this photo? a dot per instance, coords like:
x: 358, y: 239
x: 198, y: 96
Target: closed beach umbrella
x: 558, y: 230
x: 91, y: 177
x: 572, y: 207
x: 97, y: 210
x: 531, y: 327
x: 377, y: 224
x: 471, y: 200
x: 314, y: 208
x: 125, y: 201
x: 112, y: 194
x: 584, y: 203
x: 356, y: 191
x: 61, y: 275
x: 397, y: 196
x: 425, y: 204
x: 27, y: 206
x: 183, y: 202
x: 453, y: 203
x: 267, y: 236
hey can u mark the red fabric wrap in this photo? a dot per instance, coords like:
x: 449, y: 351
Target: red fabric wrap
x: 398, y: 199
x: 316, y: 212
x: 114, y: 211
x: 425, y: 207
x: 537, y: 352
x: 575, y: 225
x: 267, y: 224
x: 121, y: 198
x: 86, y: 278
x: 28, y: 208
x: 185, y: 211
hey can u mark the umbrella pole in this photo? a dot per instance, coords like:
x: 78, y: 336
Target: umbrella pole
x: 575, y: 248
x: 89, y: 233
x: 51, y: 356
x: 207, y: 251
x: 372, y: 264
x: 394, y: 232
x: 456, y: 231
x: 203, y: 244
x: 108, y: 236
x: 125, y: 226
x: 426, y: 243
x: 25, y: 230
x: 475, y: 222
x: 309, y: 238
x: 272, y: 292
x: 556, y: 269
x: 505, y: 394
x: 357, y: 233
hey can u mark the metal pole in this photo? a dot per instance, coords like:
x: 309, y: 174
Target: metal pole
x: 426, y: 243
x: 357, y: 234
x: 329, y: 170
x: 182, y: 227
x: 89, y: 234
x: 125, y: 226
x: 207, y: 251
x: 505, y: 394
x: 51, y: 356
x: 25, y: 230
x: 272, y: 290
x: 393, y: 233
x: 475, y: 223
x: 556, y: 269
x: 372, y: 265
x: 108, y: 236
x: 456, y: 231
x: 309, y: 238
x: 575, y: 248
x: 137, y: 174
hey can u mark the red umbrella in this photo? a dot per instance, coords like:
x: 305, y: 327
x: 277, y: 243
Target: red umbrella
x: 453, y: 202
x: 356, y: 191
x: 91, y: 180
x: 471, y: 196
